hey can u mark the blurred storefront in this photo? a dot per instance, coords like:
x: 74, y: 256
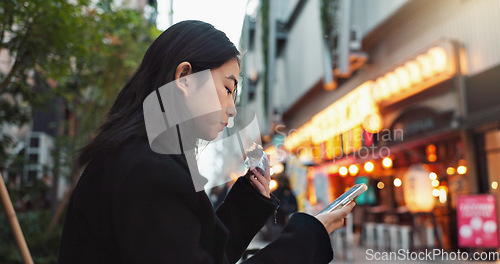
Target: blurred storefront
x: 383, y: 133
x: 483, y: 123
x: 418, y: 119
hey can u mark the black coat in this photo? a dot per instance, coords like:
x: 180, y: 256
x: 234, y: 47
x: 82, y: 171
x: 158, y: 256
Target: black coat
x: 136, y: 206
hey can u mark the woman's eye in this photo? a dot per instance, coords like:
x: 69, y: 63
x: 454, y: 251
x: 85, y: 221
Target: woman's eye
x: 229, y: 91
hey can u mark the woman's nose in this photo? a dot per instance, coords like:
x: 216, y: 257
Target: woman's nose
x: 231, y: 109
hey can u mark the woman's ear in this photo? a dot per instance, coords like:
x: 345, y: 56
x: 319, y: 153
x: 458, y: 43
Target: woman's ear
x: 183, y: 70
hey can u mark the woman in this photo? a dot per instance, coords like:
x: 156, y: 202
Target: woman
x: 133, y: 205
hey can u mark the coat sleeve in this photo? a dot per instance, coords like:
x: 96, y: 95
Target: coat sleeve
x: 153, y: 222
x: 244, y: 212
x: 304, y: 240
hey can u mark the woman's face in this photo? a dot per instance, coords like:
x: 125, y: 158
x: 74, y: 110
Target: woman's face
x: 225, y: 79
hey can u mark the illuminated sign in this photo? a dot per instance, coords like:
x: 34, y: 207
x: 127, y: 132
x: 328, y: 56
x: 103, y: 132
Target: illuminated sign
x: 416, y: 75
x: 340, y: 117
x: 477, y: 221
x: 361, y: 106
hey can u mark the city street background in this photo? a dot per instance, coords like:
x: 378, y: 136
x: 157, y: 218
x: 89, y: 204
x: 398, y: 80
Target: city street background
x: 401, y: 95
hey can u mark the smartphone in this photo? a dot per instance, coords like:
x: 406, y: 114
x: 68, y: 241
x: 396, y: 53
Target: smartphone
x: 346, y: 197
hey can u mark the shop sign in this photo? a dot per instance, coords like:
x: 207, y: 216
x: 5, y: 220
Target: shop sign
x: 367, y: 197
x: 321, y: 186
x: 298, y: 180
x: 477, y: 221
x: 419, y: 121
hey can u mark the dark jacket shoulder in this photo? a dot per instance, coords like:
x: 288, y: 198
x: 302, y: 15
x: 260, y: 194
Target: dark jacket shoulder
x: 135, y: 166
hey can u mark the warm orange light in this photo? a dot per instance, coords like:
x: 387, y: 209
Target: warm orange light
x: 380, y: 185
x: 414, y: 72
x: 373, y: 123
x: 387, y: 163
x: 353, y: 170
x: 461, y: 170
x: 394, y: 85
x: 432, y: 176
x: 435, y: 192
x: 311, y: 174
x: 343, y: 171
x: 443, y: 194
x: 392, y: 82
x: 313, y: 199
x: 494, y: 185
x: 273, y: 185
x: 383, y: 91
x: 431, y: 153
x: 425, y: 66
x: 435, y: 183
x: 298, y: 138
x: 397, y: 182
x: 331, y: 169
x: 403, y: 77
x: 438, y: 58
x: 369, y: 166
x: 442, y: 187
x: 278, y: 168
x: 305, y: 154
x: 330, y: 86
x: 431, y: 148
x: 418, y: 192
x: 234, y: 176
x: 450, y: 170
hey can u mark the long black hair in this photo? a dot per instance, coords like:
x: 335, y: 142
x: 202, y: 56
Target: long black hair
x: 196, y: 42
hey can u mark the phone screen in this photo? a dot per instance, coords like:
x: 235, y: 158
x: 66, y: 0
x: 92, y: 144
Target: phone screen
x: 346, y: 197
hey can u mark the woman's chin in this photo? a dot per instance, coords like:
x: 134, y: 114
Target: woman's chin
x: 210, y: 136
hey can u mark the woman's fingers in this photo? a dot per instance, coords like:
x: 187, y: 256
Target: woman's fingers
x: 335, y: 220
x: 253, y: 184
x: 344, y: 211
x: 260, y: 182
x: 258, y: 186
x: 261, y: 177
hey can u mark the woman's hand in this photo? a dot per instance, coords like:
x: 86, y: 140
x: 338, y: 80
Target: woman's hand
x: 260, y: 181
x: 335, y: 220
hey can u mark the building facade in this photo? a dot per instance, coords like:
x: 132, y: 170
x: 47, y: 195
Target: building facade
x: 413, y: 110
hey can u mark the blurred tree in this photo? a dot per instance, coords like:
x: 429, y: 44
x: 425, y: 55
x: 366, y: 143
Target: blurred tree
x: 118, y: 38
x: 329, y: 23
x: 85, y: 51
x: 39, y: 35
